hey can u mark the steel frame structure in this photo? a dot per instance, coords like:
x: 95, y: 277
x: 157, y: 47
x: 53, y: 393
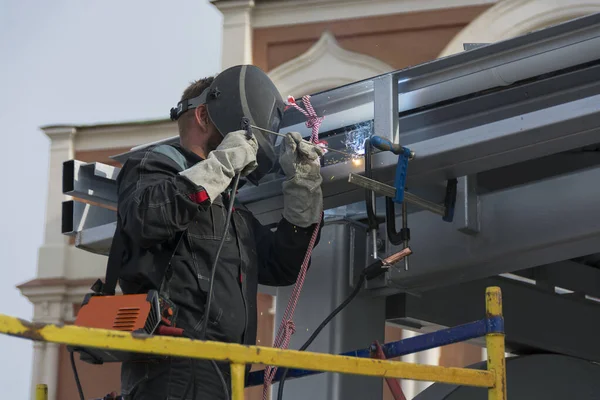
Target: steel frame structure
x: 493, y: 106
x: 505, y: 119
x: 516, y: 122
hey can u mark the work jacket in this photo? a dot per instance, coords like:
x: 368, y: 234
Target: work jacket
x: 157, y: 205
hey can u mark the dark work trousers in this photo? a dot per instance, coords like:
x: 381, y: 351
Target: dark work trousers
x: 167, y: 379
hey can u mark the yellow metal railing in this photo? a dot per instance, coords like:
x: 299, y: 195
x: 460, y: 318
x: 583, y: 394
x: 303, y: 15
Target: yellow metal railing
x: 41, y: 392
x: 239, y: 355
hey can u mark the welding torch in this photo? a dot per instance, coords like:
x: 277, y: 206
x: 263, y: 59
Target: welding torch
x: 305, y: 141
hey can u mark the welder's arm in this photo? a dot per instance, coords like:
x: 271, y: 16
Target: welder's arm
x: 155, y: 202
x: 281, y: 253
x: 284, y: 250
x: 157, y: 199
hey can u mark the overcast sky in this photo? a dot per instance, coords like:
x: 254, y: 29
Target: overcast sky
x: 78, y: 62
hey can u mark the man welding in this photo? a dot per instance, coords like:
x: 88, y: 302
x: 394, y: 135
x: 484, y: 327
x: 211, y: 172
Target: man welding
x: 172, y: 210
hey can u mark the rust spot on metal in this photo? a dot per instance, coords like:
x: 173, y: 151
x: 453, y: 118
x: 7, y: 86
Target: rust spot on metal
x: 32, y: 331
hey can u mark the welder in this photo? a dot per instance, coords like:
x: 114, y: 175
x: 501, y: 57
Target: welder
x: 173, y: 205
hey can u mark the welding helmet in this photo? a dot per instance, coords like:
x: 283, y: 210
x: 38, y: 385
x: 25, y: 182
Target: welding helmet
x: 239, y: 92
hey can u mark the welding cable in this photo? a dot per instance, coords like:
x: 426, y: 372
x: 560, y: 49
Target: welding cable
x: 236, y: 181
x: 323, y: 324
x: 371, y: 272
x: 371, y: 217
x: 76, y: 376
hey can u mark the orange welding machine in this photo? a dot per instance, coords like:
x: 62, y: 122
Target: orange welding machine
x: 144, y: 314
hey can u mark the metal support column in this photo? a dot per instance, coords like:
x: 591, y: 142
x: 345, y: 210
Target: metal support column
x: 385, y: 92
x: 385, y: 125
x: 336, y: 263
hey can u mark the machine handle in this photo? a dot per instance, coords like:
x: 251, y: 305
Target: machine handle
x: 386, y: 145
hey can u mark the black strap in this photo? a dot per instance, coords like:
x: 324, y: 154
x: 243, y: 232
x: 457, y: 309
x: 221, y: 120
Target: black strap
x: 115, y: 258
x: 113, y: 266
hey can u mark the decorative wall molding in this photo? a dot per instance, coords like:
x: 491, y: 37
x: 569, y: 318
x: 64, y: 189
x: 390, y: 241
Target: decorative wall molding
x: 510, y: 18
x: 113, y: 135
x: 323, y: 66
x: 285, y: 13
x: 237, y: 32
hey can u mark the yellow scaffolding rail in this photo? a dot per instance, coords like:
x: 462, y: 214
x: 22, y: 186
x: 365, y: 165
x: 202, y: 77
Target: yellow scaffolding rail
x: 41, y: 392
x: 494, y: 378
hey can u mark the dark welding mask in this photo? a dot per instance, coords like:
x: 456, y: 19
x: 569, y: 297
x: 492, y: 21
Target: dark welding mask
x: 239, y: 92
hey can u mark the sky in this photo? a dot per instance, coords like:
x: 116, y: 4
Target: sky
x: 79, y: 62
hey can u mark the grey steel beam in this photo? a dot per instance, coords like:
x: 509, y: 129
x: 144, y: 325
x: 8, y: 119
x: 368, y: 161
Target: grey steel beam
x: 482, y: 148
x: 471, y: 46
x: 454, y: 135
x: 501, y: 143
x: 386, y: 107
x: 533, y: 376
x: 505, y: 142
x: 535, y: 320
x: 521, y: 122
x: 77, y: 216
x: 96, y: 240
x: 495, y: 65
x: 95, y: 182
x: 521, y: 227
x: 571, y: 275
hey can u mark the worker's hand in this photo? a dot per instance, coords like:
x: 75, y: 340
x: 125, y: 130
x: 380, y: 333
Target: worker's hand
x: 235, y: 154
x: 302, y: 195
x: 238, y: 152
x: 298, y: 156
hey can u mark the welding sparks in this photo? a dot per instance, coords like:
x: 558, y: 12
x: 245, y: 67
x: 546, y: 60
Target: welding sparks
x: 355, y: 138
x: 354, y: 141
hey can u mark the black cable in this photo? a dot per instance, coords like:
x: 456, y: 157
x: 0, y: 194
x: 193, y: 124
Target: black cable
x: 236, y: 181
x: 221, y: 377
x: 371, y: 217
x: 359, y: 285
x: 76, y: 375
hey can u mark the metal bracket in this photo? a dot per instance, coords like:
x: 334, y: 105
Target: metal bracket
x: 468, y: 220
x: 385, y: 102
x: 471, y: 46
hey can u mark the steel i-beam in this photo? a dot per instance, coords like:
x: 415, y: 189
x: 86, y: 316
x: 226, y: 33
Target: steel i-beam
x: 521, y: 227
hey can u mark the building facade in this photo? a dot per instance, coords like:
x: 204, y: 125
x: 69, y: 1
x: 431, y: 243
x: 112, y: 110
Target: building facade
x: 305, y: 46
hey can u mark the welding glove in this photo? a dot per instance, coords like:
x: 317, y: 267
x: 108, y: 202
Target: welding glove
x: 302, y: 195
x: 235, y: 154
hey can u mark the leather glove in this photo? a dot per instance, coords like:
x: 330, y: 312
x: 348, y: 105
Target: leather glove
x: 302, y: 194
x: 235, y: 154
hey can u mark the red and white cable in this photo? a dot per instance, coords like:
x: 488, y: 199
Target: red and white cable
x: 287, y: 327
